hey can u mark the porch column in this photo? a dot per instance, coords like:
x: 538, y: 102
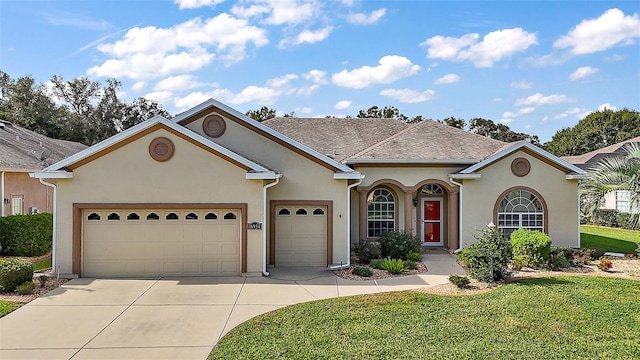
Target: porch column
x: 362, y: 218
x: 454, y: 221
x: 408, y: 210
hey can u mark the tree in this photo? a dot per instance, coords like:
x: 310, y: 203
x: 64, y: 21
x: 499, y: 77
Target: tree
x: 261, y: 115
x: 502, y: 132
x: 454, y: 122
x: 138, y: 111
x: 611, y: 174
x: 388, y: 112
x: 597, y: 130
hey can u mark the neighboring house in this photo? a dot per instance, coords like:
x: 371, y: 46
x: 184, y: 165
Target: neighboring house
x: 620, y: 199
x: 23, y: 151
x: 214, y: 192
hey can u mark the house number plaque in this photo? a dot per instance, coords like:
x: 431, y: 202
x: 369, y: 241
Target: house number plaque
x: 254, y: 226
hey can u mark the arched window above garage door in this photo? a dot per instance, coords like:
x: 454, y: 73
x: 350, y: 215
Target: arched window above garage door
x: 133, y: 216
x: 93, y: 217
x: 113, y: 217
x: 230, y: 216
x: 211, y: 216
x: 153, y: 217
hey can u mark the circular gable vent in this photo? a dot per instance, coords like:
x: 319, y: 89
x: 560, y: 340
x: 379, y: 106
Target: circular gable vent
x: 213, y: 126
x: 520, y: 167
x: 161, y: 149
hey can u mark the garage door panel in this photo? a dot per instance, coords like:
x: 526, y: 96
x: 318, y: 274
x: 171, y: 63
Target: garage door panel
x: 146, y: 248
x: 301, y: 238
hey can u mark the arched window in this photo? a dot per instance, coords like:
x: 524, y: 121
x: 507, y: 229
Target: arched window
x: 211, y: 216
x: 93, y: 217
x: 432, y: 189
x: 230, y: 216
x: 133, y: 216
x: 113, y: 217
x: 191, y: 216
x: 301, y: 212
x: 153, y: 217
x: 520, y: 209
x: 381, y: 212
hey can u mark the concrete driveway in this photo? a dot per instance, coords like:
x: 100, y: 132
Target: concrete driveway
x: 180, y: 318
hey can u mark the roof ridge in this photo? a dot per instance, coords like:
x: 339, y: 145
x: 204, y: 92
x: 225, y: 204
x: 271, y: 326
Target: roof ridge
x: 364, y: 151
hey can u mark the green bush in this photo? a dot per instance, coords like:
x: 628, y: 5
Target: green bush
x: 366, y: 251
x: 612, y: 218
x: 14, y: 272
x: 489, y: 257
x: 561, y: 257
x: 519, y: 261
x: 376, y: 264
x: 534, y: 247
x: 398, y: 244
x: 393, y: 266
x: 26, y: 235
x: 362, y: 271
x: 414, y: 256
x: 459, y: 281
x: 597, y: 253
x: 410, y: 265
x: 25, y: 288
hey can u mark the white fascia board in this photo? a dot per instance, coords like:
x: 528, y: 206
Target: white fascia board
x: 348, y: 176
x: 528, y: 145
x: 262, y: 175
x: 576, y: 176
x: 144, y: 125
x: 465, y: 176
x: 258, y: 125
x: 414, y: 161
x: 52, y: 175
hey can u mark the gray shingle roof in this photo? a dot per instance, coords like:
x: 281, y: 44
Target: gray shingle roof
x: 586, y: 161
x: 356, y: 139
x: 20, y: 149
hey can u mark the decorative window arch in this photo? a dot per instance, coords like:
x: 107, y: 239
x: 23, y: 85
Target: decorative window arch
x: 432, y: 189
x: 521, y: 208
x: 381, y: 212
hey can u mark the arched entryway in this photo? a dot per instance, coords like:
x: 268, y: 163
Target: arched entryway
x: 436, y: 213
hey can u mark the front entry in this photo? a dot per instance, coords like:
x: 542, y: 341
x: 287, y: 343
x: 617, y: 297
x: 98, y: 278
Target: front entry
x: 432, y: 224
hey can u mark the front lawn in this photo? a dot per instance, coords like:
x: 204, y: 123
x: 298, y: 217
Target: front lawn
x: 611, y: 239
x: 6, y: 307
x: 545, y: 318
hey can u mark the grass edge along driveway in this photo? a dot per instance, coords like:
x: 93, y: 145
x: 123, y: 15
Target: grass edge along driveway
x: 573, y: 317
x: 611, y: 239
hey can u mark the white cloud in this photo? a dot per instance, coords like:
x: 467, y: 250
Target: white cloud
x: 505, y: 121
x: 408, y: 95
x: 282, y: 81
x: 151, y: 52
x: 303, y: 110
x: 583, y: 72
x: 390, y: 69
x: 494, y: 46
x: 509, y: 114
x: 366, y: 19
x: 447, y: 79
x: 177, y: 83
x: 279, y: 12
x: 521, y: 85
x: 250, y: 94
x: 139, y: 86
x: 592, y: 35
x: 162, y: 97
x: 539, y: 99
x: 307, y: 90
x: 347, y: 3
x: 606, y: 106
x: 341, y: 105
x: 615, y: 57
x: 317, y: 76
x: 578, y: 112
x: 192, y: 4
x: 497, y: 99
x: 308, y: 36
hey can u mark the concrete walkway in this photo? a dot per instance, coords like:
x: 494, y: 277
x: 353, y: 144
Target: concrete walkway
x: 180, y: 318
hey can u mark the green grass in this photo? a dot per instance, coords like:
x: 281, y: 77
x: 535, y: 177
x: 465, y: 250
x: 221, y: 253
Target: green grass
x: 545, y: 318
x: 7, y: 307
x: 41, y: 265
x: 611, y: 239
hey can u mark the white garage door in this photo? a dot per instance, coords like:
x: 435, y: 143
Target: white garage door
x: 301, y: 235
x: 161, y: 242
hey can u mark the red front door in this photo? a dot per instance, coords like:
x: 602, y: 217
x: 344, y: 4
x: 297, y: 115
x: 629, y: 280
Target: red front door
x: 432, y: 221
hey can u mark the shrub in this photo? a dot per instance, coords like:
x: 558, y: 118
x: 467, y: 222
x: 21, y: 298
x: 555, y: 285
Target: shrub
x: 638, y: 250
x: 411, y: 265
x: 366, y: 251
x: 604, y: 265
x: 459, y: 281
x: 561, y: 258
x: 393, y: 266
x: 376, y: 264
x: 519, y: 261
x: 582, y: 257
x: 414, y: 256
x: 597, y: 253
x: 14, y: 272
x: 26, y: 235
x: 532, y: 246
x: 362, y: 271
x: 398, y: 245
x: 488, y: 258
x: 43, y: 280
x: 25, y: 288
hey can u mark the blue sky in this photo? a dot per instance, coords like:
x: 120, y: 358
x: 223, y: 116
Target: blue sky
x: 537, y: 66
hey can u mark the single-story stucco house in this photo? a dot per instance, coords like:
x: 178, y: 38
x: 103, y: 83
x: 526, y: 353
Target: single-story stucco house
x: 214, y: 192
x: 23, y: 151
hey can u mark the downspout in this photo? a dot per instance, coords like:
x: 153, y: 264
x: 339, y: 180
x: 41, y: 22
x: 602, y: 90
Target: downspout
x: 2, y: 191
x: 264, y: 222
x: 55, y: 234
x: 348, y: 264
x: 459, y: 216
x: 579, y: 213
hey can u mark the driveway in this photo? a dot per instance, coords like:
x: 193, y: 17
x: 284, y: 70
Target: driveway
x: 181, y: 318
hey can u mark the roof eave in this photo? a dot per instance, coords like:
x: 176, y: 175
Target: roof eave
x: 269, y: 175
x: 413, y: 161
x: 465, y: 176
x: 348, y: 176
x: 52, y: 175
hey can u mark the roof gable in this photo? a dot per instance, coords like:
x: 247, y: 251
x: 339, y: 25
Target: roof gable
x: 242, y: 119
x: 595, y: 156
x: 102, y: 148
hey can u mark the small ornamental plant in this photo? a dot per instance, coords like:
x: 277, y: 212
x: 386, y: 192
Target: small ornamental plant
x: 605, y: 265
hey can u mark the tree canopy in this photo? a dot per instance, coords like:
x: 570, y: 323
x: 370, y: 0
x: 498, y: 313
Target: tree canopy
x: 78, y: 110
x: 597, y: 130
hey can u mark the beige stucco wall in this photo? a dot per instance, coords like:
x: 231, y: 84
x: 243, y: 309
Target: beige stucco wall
x: 32, y: 192
x: 560, y: 195
x: 130, y: 175
x: 303, y: 179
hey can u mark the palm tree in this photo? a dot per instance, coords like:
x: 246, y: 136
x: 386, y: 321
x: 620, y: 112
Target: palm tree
x: 611, y: 174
